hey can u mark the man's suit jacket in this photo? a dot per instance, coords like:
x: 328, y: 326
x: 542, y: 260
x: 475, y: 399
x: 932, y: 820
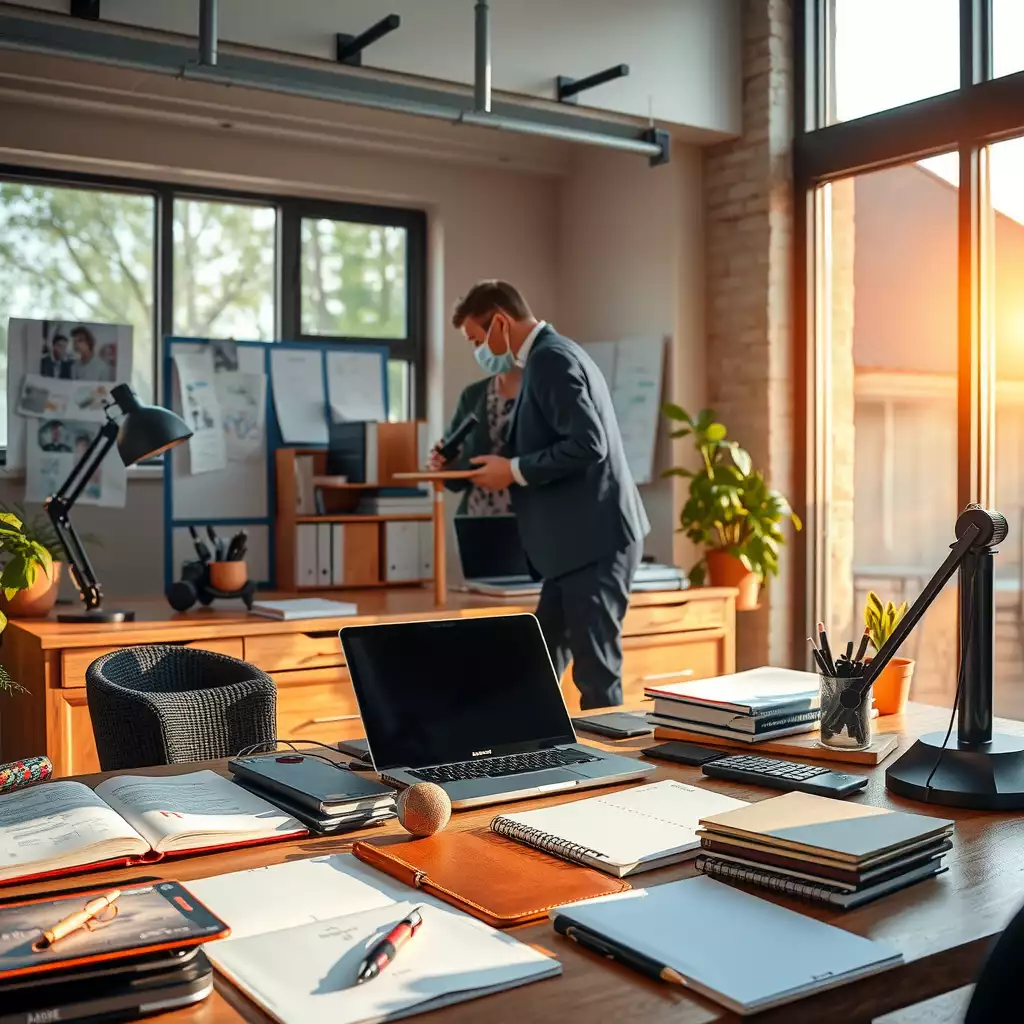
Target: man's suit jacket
x: 580, y: 503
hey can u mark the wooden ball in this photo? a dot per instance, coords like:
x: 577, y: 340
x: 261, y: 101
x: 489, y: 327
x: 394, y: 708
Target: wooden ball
x: 424, y: 809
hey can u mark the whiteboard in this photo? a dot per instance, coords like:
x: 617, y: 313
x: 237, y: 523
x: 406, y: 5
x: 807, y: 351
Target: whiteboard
x: 237, y: 492
x: 633, y: 368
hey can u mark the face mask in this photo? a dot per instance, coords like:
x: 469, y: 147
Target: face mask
x: 491, y: 363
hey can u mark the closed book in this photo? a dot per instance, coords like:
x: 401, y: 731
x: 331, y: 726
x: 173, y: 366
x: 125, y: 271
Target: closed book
x: 777, y: 731
x: 755, y: 725
x: 726, y: 718
x: 312, y: 782
x: 321, y: 824
x: 746, y: 692
x: 305, y: 498
x: 303, y: 608
x: 485, y: 875
x: 816, y: 892
x: 352, y: 451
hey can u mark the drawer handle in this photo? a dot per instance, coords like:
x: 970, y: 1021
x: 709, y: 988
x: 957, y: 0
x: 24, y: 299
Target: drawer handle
x: 333, y: 718
x: 667, y: 675
x: 323, y: 634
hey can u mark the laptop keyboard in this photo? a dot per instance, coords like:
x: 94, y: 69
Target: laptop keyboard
x: 494, y: 767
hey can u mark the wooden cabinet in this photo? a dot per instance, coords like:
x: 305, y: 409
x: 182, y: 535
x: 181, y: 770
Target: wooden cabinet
x: 666, y: 637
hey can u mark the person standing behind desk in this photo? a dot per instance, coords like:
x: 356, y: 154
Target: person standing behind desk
x: 492, y: 400
x: 579, y: 512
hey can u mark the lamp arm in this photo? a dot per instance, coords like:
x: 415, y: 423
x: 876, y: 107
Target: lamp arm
x: 919, y: 607
x: 58, y: 507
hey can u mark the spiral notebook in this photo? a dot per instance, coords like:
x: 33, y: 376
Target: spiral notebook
x: 635, y: 830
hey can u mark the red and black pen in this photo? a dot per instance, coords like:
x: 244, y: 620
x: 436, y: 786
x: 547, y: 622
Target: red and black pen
x: 387, y: 949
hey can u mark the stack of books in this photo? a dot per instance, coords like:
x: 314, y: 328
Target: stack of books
x: 828, y: 851
x: 749, y: 707
x: 389, y: 501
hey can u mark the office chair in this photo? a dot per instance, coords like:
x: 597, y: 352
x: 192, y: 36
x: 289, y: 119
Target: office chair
x: 998, y: 985
x: 154, y: 705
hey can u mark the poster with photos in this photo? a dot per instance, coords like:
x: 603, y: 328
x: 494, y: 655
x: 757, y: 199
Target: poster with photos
x: 77, y: 359
x: 54, y: 446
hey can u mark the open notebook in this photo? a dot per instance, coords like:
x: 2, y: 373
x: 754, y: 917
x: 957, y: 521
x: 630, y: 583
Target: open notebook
x: 61, y: 827
x: 297, y: 954
x: 639, y: 829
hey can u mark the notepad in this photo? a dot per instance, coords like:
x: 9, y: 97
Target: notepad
x: 304, y: 608
x: 743, y: 952
x: 621, y: 833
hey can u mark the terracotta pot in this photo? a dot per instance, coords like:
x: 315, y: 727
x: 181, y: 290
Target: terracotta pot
x: 37, y: 601
x: 228, y: 576
x: 726, y: 570
x: 892, y: 687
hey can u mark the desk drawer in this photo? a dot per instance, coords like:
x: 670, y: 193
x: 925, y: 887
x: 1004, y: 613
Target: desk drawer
x: 673, y: 618
x: 665, y: 659
x: 286, y: 652
x: 74, y: 662
x: 316, y: 704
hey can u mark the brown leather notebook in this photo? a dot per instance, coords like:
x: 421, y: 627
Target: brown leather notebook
x: 492, y: 878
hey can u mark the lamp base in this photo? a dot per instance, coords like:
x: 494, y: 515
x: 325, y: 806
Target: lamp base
x: 986, y: 778
x: 96, y: 615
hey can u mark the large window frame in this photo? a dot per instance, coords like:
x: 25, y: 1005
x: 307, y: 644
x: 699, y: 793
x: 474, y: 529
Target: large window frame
x: 290, y: 213
x: 984, y: 110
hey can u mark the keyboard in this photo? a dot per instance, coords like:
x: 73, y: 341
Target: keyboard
x: 788, y: 775
x: 496, y: 767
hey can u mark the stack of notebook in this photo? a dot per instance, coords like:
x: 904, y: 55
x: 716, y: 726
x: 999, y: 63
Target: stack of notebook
x: 749, y: 707
x: 828, y: 851
x: 324, y: 796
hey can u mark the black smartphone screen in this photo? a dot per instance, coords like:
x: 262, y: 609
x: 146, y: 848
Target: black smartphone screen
x: 684, y: 753
x: 149, y: 917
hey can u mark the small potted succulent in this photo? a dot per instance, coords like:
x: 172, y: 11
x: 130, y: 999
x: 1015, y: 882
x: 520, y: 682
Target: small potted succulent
x: 731, y: 512
x: 892, y: 687
x: 32, y: 561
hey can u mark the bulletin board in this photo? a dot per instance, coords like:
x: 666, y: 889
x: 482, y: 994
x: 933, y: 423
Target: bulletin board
x: 241, y: 495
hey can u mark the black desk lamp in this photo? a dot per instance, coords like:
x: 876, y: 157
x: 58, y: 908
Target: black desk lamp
x: 143, y: 431
x: 972, y: 768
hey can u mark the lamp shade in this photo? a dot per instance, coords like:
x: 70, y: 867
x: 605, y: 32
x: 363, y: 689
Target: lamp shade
x: 145, y: 430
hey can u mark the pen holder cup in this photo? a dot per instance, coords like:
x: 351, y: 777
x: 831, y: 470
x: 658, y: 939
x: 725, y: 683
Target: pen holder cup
x: 842, y: 727
x: 228, y: 576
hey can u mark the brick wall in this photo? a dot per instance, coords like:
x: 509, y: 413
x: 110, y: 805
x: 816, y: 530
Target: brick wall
x: 749, y: 216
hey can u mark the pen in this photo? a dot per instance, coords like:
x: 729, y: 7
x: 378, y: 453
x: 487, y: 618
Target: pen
x: 628, y: 957
x: 237, y: 547
x: 80, y: 919
x: 825, y: 649
x: 385, y: 951
x: 819, y: 658
x: 201, y: 549
x: 218, y: 544
x: 863, y: 648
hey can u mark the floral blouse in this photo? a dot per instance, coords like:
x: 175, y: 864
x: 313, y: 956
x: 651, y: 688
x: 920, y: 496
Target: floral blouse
x: 499, y: 414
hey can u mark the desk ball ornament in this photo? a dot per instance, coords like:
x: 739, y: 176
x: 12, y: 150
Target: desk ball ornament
x: 424, y: 809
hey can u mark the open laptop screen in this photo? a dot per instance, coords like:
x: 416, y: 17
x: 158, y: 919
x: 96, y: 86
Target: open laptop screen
x: 436, y: 692
x: 490, y: 548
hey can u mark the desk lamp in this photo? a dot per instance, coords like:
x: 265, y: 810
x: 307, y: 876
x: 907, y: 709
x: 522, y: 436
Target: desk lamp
x: 973, y: 768
x: 143, y: 431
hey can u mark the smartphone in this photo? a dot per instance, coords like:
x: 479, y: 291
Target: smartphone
x: 149, y: 919
x: 616, y: 724
x: 359, y: 749
x: 684, y: 753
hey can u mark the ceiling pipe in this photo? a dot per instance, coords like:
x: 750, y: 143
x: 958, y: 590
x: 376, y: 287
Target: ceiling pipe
x: 208, y: 32
x: 653, y: 150
x: 482, y: 80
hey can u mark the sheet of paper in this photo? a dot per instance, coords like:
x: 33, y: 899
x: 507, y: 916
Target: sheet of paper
x: 53, y: 447
x: 636, y: 396
x: 355, y: 386
x: 62, y: 350
x: 243, y: 405
x: 308, y: 973
x: 49, y: 397
x: 207, y: 449
x: 297, y: 383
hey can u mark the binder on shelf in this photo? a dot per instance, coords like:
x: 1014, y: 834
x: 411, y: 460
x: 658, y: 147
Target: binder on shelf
x: 338, y: 554
x: 426, y: 550
x: 402, y: 551
x: 305, y: 498
x: 323, y: 554
x: 305, y: 555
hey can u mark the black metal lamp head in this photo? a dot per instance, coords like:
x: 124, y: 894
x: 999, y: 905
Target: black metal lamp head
x: 145, y: 430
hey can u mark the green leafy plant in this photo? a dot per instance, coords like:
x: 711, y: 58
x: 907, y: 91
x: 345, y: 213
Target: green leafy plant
x: 730, y: 506
x: 38, y: 528
x: 25, y: 557
x: 881, y: 619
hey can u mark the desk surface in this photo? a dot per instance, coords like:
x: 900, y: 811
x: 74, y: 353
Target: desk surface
x: 155, y: 620
x: 943, y: 926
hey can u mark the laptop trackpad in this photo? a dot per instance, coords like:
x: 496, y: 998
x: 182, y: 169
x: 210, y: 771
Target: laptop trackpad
x: 469, y: 788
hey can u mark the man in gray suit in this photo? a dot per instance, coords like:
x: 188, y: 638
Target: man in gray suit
x: 579, y: 512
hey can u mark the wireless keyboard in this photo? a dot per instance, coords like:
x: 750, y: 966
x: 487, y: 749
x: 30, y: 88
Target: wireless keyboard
x: 788, y: 775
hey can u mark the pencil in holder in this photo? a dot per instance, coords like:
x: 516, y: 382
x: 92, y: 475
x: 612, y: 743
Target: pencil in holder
x: 841, y: 726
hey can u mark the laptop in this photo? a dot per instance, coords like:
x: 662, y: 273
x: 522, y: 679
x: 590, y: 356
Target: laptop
x: 492, y: 556
x: 472, y: 705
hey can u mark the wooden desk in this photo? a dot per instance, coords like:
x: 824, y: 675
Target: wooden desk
x: 942, y: 926
x: 670, y: 636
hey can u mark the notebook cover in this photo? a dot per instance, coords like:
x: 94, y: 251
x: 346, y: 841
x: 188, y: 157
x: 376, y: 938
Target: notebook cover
x: 494, y: 879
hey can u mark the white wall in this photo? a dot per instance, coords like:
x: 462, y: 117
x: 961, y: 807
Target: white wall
x: 684, y: 55
x: 631, y: 263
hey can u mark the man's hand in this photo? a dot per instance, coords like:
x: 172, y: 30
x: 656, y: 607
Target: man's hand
x: 494, y: 473
x: 436, y: 460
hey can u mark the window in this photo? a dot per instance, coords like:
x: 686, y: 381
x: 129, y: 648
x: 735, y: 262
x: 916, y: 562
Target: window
x: 890, y: 52
x: 77, y: 254
x: 353, y: 279
x: 1007, y: 37
x: 225, y: 270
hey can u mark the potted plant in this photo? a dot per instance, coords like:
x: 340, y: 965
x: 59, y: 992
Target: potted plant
x: 31, y: 572
x: 731, y: 512
x: 892, y: 687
